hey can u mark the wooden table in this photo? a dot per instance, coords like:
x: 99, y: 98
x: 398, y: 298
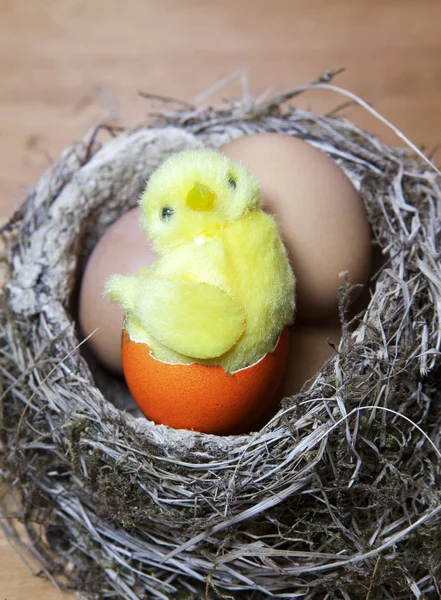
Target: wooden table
x: 68, y: 64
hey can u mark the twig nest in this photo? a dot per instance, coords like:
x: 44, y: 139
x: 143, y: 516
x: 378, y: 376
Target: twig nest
x: 339, y: 493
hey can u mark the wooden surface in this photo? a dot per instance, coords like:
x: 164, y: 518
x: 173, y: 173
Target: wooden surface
x: 66, y: 65
x: 16, y: 582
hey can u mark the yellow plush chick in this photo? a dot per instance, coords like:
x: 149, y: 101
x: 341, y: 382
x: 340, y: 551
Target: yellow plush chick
x: 221, y: 290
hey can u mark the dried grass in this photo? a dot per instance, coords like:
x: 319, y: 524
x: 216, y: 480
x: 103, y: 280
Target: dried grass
x: 338, y: 496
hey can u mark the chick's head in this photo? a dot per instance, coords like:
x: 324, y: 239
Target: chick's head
x: 192, y: 195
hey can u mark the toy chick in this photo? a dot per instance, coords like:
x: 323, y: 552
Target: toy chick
x: 221, y: 290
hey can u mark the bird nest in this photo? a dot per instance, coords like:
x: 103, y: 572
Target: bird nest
x: 337, y: 496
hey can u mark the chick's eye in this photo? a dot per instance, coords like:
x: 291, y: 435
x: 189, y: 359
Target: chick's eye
x: 232, y: 182
x: 166, y: 213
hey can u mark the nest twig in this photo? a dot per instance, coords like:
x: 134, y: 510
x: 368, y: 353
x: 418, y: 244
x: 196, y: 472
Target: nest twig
x: 337, y: 496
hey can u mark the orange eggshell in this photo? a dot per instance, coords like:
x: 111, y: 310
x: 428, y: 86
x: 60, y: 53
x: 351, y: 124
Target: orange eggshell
x: 199, y: 397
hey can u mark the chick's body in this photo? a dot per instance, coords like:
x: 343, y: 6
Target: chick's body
x: 221, y: 290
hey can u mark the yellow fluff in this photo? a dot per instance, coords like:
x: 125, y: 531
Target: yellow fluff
x: 221, y: 290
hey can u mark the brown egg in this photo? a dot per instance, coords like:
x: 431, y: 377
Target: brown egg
x: 319, y: 212
x: 311, y: 346
x: 125, y: 249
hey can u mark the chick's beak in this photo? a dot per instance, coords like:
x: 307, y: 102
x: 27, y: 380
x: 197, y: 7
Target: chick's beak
x: 200, y: 197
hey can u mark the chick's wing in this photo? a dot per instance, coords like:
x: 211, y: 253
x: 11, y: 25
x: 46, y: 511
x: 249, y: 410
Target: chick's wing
x: 197, y: 319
